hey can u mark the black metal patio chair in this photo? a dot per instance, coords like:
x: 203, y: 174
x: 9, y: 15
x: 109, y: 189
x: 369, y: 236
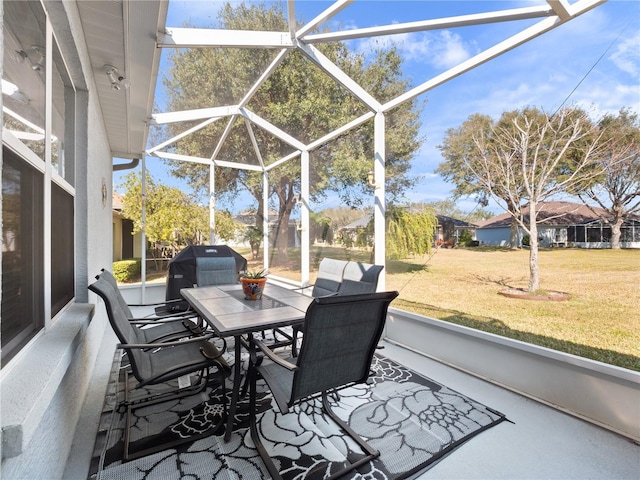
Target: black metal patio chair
x: 156, y: 327
x: 329, y: 277
x: 340, y: 337
x: 360, y: 277
x: 161, y: 309
x: 154, y: 362
x: 356, y: 278
x: 216, y: 271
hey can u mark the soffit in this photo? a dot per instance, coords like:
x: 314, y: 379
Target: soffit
x: 123, y: 33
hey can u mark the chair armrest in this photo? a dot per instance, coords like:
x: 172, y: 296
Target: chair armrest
x: 272, y: 356
x: 145, y: 346
x: 150, y: 321
x: 166, y: 302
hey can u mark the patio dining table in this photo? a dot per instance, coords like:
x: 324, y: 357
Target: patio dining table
x: 226, y: 311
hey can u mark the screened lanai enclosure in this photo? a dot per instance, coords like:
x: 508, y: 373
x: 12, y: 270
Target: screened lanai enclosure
x: 276, y: 114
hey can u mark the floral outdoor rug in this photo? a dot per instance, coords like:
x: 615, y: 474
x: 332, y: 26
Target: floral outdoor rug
x: 411, y: 419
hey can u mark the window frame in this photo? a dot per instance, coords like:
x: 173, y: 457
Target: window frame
x: 57, y: 234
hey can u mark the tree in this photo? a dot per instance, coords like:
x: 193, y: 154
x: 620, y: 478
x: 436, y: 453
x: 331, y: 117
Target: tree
x: 532, y: 158
x: 409, y: 233
x: 171, y: 216
x: 449, y: 208
x: 459, y: 150
x: 341, y: 216
x: 302, y: 100
x: 617, y: 191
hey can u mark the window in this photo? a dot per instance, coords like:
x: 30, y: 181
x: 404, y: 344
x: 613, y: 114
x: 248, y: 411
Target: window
x: 62, y: 249
x: 33, y: 149
x: 22, y: 253
x: 23, y: 74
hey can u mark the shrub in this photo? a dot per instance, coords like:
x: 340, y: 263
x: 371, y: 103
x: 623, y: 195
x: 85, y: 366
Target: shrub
x: 525, y: 240
x: 127, y: 270
x: 465, y: 238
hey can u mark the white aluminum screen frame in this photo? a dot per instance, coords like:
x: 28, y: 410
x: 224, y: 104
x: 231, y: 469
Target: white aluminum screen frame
x: 552, y: 14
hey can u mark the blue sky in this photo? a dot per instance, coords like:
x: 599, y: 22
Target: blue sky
x: 592, y: 61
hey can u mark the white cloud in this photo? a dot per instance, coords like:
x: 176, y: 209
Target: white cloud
x: 443, y: 49
x: 627, y: 55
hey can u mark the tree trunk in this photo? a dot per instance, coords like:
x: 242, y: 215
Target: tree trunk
x: 281, y: 243
x: 534, y: 268
x: 513, y: 232
x: 282, y: 236
x: 616, y: 231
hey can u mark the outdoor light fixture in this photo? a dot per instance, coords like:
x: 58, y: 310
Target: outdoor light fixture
x: 117, y: 80
x: 35, y: 54
x: 371, y: 180
x: 37, y: 62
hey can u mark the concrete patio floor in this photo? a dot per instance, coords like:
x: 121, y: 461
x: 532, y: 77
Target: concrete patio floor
x: 541, y: 443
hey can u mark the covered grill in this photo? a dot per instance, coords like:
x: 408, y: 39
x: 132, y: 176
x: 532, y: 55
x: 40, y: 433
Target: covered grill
x: 182, y: 268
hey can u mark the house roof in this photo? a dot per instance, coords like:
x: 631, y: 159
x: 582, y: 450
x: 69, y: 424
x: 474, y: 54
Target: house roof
x: 551, y: 213
x: 117, y: 201
x: 360, y: 223
x: 443, y: 219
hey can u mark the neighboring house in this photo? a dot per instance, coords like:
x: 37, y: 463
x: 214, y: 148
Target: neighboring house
x: 562, y: 224
x: 351, y: 230
x: 248, y: 219
x: 447, y: 230
x: 125, y: 244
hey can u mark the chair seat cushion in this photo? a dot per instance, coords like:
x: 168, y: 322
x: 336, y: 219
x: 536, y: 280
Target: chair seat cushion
x: 172, y: 362
x: 166, y: 330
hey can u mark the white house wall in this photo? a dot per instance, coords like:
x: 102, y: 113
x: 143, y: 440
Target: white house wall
x: 493, y: 236
x: 43, y: 388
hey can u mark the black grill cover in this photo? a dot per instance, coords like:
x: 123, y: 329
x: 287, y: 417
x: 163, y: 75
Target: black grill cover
x: 182, y: 268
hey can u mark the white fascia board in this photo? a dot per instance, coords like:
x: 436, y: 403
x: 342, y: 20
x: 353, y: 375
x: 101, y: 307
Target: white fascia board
x: 436, y: 24
x: 339, y: 131
x: 339, y: 76
x: 208, y: 37
x: 197, y: 114
x: 191, y: 130
x: 262, y: 123
x: 324, y: 16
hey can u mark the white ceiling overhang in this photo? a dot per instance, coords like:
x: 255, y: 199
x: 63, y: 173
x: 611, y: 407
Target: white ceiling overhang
x: 123, y: 33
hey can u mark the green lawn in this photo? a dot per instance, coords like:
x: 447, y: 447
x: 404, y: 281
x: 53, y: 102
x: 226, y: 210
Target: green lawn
x: 601, y: 321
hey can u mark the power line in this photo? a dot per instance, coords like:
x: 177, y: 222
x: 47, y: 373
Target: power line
x: 591, y: 69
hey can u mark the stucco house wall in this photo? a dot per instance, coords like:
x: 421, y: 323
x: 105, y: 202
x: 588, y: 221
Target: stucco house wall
x: 43, y: 388
x: 555, y: 219
x: 493, y: 236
